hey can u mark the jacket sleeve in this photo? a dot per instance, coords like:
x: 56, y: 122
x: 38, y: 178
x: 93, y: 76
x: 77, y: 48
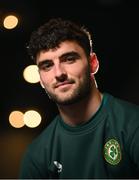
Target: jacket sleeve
x: 32, y: 168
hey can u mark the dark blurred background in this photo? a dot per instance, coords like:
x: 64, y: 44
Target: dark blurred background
x: 114, y: 25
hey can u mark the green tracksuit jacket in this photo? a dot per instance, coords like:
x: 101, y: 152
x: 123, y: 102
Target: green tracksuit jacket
x: 107, y: 146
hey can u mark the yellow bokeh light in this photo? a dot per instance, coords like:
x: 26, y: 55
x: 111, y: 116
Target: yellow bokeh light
x: 32, y: 118
x: 10, y: 22
x: 16, y: 119
x: 31, y: 74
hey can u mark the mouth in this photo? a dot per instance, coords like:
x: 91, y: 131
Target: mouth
x: 63, y: 84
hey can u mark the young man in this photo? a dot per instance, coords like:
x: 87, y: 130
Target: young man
x: 95, y: 134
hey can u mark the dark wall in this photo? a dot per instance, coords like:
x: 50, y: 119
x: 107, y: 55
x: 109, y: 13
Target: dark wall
x: 115, y: 34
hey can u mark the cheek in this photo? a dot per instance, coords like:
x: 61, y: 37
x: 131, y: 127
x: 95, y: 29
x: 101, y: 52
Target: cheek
x: 45, y: 79
x: 79, y: 72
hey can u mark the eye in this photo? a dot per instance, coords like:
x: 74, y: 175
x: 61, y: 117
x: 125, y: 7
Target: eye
x: 70, y: 59
x: 45, y: 66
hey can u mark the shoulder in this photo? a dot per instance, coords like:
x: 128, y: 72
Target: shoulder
x: 36, y: 156
x: 44, y: 139
x: 120, y: 106
x: 122, y: 115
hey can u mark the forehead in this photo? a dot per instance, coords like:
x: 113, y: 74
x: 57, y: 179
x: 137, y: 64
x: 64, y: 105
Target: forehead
x: 66, y: 46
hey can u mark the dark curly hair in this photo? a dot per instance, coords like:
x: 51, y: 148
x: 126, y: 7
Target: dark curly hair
x: 56, y: 31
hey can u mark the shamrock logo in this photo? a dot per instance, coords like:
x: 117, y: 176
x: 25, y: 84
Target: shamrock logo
x: 112, y: 152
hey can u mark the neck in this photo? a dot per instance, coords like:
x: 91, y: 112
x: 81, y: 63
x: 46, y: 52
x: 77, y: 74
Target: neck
x: 82, y: 111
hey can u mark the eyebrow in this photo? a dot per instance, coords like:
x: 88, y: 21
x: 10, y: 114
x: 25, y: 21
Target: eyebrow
x: 71, y: 53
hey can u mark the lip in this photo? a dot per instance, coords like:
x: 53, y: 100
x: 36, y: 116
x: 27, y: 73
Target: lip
x: 63, y: 84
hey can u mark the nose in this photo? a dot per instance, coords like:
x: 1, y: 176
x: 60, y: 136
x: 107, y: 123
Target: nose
x: 60, y: 73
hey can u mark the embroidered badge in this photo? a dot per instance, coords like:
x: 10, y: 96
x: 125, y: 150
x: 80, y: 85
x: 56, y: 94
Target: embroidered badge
x: 112, y: 152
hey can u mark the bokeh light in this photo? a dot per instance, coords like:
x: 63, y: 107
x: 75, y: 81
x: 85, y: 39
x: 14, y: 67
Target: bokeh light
x: 10, y: 22
x: 16, y: 119
x: 31, y: 74
x: 32, y: 118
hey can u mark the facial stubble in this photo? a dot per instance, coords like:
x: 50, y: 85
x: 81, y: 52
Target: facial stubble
x: 82, y: 91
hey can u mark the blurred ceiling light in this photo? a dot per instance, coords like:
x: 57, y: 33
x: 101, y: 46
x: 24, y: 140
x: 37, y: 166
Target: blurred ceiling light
x: 32, y: 118
x: 31, y: 74
x: 10, y: 22
x: 16, y: 119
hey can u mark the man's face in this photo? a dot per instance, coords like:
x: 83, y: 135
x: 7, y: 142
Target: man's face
x: 65, y: 73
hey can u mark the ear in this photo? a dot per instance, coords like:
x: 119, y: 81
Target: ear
x: 94, y: 63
